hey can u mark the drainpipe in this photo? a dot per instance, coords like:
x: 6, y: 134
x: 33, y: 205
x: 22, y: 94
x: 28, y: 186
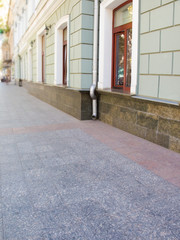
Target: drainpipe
x: 95, y: 55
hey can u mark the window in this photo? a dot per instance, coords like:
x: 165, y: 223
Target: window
x: 65, y: 56
x: 62, y: 51
x: 41, y: 54
x: 30, y: 64
x: 43, y: 58
x: 122, y: 46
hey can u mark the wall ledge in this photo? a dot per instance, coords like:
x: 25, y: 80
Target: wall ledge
x: 156, y: 100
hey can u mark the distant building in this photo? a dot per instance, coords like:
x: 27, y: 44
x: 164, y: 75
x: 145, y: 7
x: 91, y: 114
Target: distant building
x: 138, y: 61
x: 10, y: 22
x: 6, y: 60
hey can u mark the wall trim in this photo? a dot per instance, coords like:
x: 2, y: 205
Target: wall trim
x: 58, y: 60
x: 29, y: 69
x: 39, y: 35
x: 105, y: 46
x: 42, y: 13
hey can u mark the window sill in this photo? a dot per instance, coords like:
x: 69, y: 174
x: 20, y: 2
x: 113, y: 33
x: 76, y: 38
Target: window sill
x: 114, y: 91
x: 118, y: 92
x: 156, y: 100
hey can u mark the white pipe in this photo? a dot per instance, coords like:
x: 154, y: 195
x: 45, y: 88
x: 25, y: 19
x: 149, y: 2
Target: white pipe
x: 95, y: 55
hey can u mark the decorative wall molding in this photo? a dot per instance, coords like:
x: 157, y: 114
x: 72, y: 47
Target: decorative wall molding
x: 60, y: 25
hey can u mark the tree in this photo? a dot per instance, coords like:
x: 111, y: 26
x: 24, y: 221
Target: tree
x: 4, y: 28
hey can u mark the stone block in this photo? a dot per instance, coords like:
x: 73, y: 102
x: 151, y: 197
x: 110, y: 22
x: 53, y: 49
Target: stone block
x: 169, y: 127
x: 164, y: 110
x: 162, y: 17
x: 74, y: 66
x: 114, y: 111
x: 150, y: 42
x: 144, y: 23
x: 148, y: 85
x: 76, y: 11
x: 163, y: 140
x: 77, y: 52
x: 88, y: 7
x: 87, y: 22
x: 169, y: 88
x: 170, y: 39
x: 144, y: 64
x: 74, y: 102
x: 87, y: 36
x: 121, y: 111
x: 151, y: 135
x: 106, y: 118
x: 147, y: 5
x: 72, y: 24
x: 86, y: 80
x: 176, y: 14
x: 86, y: 66
x: 122, y: 100
x: 87, y: 51
x: 77, y: 23
x: 166, y: 1
x: 128, y: 115
x: 76, y: 39
x: 174, y: 144
x: 147, y: 120
x: 160, y: 63
x: 129, y: 127
x: 139, y: 105
x: 104, y: 107
x: 176, y: 63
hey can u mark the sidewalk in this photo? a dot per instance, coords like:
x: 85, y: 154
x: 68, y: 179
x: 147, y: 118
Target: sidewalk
x: 66, y: 179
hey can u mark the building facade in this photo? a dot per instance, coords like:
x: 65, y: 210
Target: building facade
x: 138, y: 83
x: 6, y: 60
x: 10, y: 38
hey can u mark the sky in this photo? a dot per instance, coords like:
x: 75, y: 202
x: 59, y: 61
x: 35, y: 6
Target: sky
x: 3, y: 14
x: 4, y: 10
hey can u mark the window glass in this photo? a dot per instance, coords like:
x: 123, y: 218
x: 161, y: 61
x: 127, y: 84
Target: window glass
x: 65, y: 34
x: 129, y: 58
x: 65, y: 56
x: 119, y: 80
x: 123, y: 15
x: 65, y: 65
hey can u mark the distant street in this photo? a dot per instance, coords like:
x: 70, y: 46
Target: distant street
x: 65, y: 179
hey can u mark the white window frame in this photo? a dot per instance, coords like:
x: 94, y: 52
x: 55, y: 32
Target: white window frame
x: 105, y: 43
x: 39, y: 35
x: 22, y: 67
x: 30, y: 70
x: 59, y: 27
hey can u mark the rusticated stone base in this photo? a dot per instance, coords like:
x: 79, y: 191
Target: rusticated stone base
x: 74, y: 102
x: 154, y: 121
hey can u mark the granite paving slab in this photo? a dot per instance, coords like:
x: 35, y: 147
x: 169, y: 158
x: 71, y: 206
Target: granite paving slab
x: 60, y: 182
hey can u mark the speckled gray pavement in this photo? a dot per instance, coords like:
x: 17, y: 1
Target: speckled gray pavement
x: 60, y: 183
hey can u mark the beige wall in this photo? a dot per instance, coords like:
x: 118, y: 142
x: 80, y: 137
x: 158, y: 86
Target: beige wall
x: 10, y: 24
